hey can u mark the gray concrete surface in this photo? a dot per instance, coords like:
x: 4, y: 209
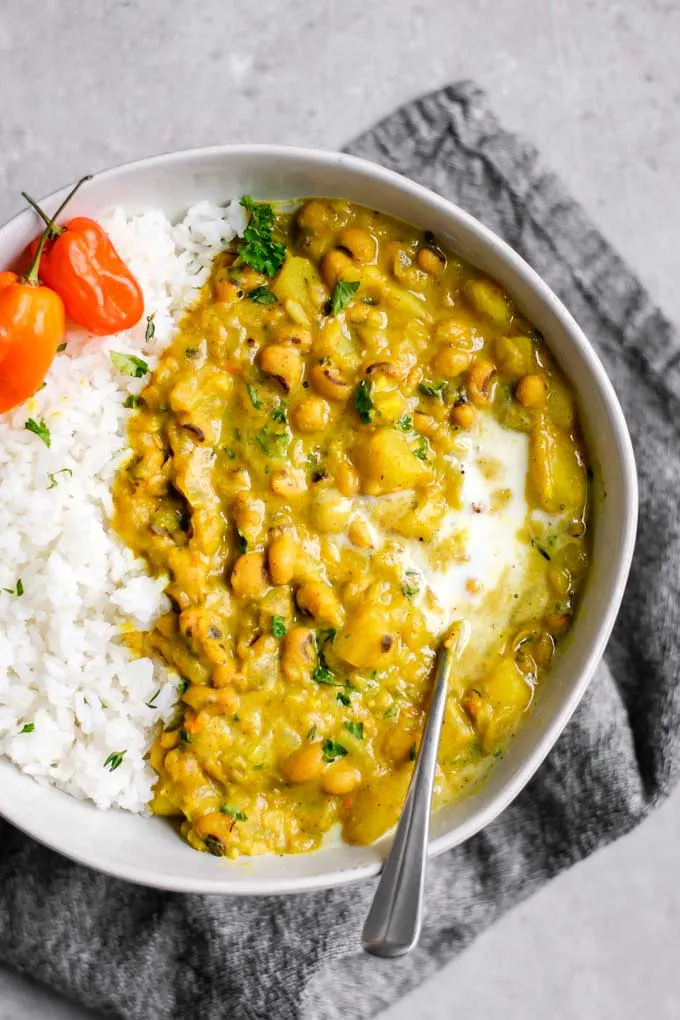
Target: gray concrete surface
x: 596, y: 85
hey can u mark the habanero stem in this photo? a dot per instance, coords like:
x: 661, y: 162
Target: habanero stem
x: 51, y: 229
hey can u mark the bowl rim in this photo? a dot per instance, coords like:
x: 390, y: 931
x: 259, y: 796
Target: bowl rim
x: 483, y: 816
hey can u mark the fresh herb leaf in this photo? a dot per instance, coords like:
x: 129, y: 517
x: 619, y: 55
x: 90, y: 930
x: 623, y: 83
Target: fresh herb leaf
x: 151, y: 703
x: 260, y: 250
x: 129, y: 364
x: 431, y: 389
x: 410, y: 585
x: 363, y: 403
x: 53, y: 477
x: 278, y: 626
x: 186, y: 737
x: 40, y: 429
x: 356, y: 729
x: 150, y: 330
x: 232, y: 812
x: 115, y: 760
x: 28, y: 728
x: 18, y: 591
x: 344, y: 698
x: 61, y: 347
x: 390, y: 713
x: 132, y: 401
x: 254, y: 398
x: 326, y: 634
x: 405, y: 423
x: 422, y: 449
x: 539, y: 548
x: 312, y: 733
x: 242, y: 541
x: 183, y: 686
x: 323, y: 675
x: 333, y: 750
x: 343, y: 292
x: 231, y: 454
x: 263, y: 296
x: 280, y: 414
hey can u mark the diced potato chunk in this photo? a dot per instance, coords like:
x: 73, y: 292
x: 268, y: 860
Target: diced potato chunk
x: 293, y: 283
x: 368, y: 640
x: 556, y: 471
x: 386, y: 463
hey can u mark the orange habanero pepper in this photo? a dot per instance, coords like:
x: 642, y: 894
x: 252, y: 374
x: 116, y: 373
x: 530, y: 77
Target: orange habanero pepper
x: 32, y: 325
x: 81, y: 264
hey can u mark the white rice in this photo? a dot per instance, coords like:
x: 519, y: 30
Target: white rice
x: 66, y: 678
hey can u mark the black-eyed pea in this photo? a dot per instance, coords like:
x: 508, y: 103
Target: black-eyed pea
x: 337, y: 265
x: 431, y: 262
x: 289, y: 484
x: 311, y: 415
x: 305, y: 764
x: 283, y: 363
x: 424, y: 423
x: 321, y: 602
x: 328, y: 381
x: 298, y: 654
x: 450, y: 361
x: 340, y: 779
x: 249, y: 516
x: 359, y: 243
x: 297, y: 337
x: 463, y: 415
x: 315, y: 216
x: 479, y: 381
x: 531, y: 390
x: 281, y: 558
x: 346, y: 480
x: 560, y: 580
x: 248, y: 577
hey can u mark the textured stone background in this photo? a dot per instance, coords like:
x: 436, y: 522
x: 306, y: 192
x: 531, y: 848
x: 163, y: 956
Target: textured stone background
x: 596, y: 85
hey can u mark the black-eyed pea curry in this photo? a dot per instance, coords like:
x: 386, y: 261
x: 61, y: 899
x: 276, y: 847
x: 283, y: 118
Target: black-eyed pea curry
x: 354, y: 445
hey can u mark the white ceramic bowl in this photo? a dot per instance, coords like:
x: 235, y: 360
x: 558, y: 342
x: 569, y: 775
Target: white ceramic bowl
x: 148, y: 850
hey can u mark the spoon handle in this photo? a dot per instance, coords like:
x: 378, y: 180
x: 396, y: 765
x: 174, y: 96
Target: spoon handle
x: 394, y: 921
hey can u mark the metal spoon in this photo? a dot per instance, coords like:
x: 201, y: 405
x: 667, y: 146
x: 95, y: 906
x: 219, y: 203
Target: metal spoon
x: 394, y: 921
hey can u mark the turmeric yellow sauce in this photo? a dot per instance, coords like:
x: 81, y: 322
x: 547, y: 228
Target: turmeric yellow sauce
x: 347, y: 452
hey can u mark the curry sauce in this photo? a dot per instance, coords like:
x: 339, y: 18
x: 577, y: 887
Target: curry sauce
x: 353, y: 445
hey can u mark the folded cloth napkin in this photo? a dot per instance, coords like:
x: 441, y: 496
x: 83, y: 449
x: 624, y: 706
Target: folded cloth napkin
x: 142, y: 954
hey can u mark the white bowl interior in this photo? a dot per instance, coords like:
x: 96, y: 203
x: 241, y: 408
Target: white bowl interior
x: 148, y: 850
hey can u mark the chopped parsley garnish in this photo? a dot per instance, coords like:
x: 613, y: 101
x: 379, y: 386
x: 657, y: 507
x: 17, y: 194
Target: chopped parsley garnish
x: 61, y: 347
x: 150, y: 330
x: 235, y: 813
x: 114, y: 760
x: 278, y: 626
x: 422, y: 449
x: 356, y: 729
x: 242, y: 541
x: 431, y: 389
x: 254, y: 397
x: 405, y: 423
x: 273, y: 444
x: 231, y: 454
x: 363, y: 403
x: 186, y: 737
x: 129, y: 364
x: 53, y: 476
x: 28, y: 728
x: 323, y: 675
x: 280, y: 414
x: 18, y: 591
x: 390, y: 713
x: 183, y: 686
x: 263, y: 296
x: 326, y: 634
x: 260, y: 250
x: 132, y: 401
x: 410, y: 585
x: 333, y: 750
x: 343, y: 292
x: 344, y: 697
x: 40, y: 429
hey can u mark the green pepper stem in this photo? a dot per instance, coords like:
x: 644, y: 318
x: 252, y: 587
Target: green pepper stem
x: 51, y: 230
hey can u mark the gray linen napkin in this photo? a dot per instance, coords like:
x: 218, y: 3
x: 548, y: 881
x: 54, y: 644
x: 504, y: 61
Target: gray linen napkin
x: 141, y: 954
